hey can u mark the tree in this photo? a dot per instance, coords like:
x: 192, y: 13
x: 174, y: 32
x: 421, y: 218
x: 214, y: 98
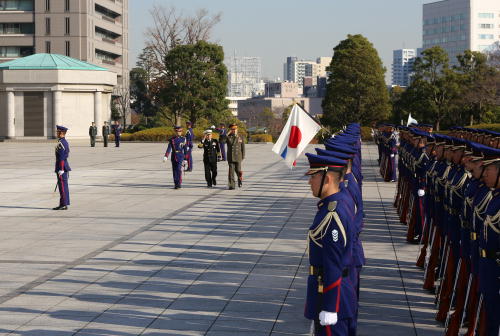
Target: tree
x: 140, y: 96
x: 356, y: 90
x: 195, y: 81
x: 478, y: 84
x: 172, y: 28
x: 121, y: 102
x: 435, y: 86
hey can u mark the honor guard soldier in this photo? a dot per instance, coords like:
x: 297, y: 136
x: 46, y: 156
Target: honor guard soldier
x: 211, y: 155
x: 222, y: 140
x: 117, y: 131
x: 331, y: 298
x: 62, y: 168
x: 235, y: 155
x: 105, y: 133
x: 189, y: 146
x: 177, y: 145
x: 92, y: 134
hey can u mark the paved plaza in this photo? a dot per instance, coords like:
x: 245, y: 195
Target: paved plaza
x: 133, y: 256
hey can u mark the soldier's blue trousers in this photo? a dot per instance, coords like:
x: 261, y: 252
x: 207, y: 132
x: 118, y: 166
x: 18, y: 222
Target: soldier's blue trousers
x: 223, y: 150
x: 62, y: 185
x: 344, y: 327
x: 117, y: 141
x: 189, y: 158
x: 177, y: 172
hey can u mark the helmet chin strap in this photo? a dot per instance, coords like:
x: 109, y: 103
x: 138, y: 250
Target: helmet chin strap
x: 322, y: 183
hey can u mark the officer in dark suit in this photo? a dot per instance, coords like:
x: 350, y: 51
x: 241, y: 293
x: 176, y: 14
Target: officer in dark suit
x: 235, y: 155
x: 222, y: 140
x: 211, y: 155
x: 92, y: 134
x: 62, y: 168
x: 177, y: 145
x: 331, y: 298
x: 105, y: 133
x: 117, y: 130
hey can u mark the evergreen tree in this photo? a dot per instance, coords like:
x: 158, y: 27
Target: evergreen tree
x: 356, y: 90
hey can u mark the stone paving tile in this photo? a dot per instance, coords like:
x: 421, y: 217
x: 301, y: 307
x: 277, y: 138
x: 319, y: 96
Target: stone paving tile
x: 135, y: 257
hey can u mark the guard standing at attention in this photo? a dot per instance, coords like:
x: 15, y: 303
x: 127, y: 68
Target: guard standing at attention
x: 235, y: 155
x: 331, y: 298
x: 105, y: 133
x: 189, y: 144
x: 177, y: 145
x: 211, y: 155
x: 117, y: 130
x: 62, y: 168
x: 92, y: 134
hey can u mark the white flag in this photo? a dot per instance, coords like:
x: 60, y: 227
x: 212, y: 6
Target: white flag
x: 299, y: 130
x: 411, y: 121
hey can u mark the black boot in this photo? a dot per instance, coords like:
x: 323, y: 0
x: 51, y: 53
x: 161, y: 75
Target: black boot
x: 240, y: 183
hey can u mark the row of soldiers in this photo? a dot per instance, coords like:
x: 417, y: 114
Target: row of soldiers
x: 448, y: 195
x: 335, y: 250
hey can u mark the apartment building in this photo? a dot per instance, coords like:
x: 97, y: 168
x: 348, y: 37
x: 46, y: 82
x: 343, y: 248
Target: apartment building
x: 95, y: 31
x: 458, y: 25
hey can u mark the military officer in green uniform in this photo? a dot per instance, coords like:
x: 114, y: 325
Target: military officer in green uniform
x: 105, y: 133
x: 92, y: 134
x: 235, y: 154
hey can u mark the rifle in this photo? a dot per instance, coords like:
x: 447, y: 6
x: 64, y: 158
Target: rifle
x: 469, y: 284
x: 442, y: 271
x: 457, y: 275
x: 476, y: 321
x: 428, y: 254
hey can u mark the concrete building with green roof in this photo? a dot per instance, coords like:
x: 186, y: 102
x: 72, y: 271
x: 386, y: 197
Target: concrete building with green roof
x: 40, y: 91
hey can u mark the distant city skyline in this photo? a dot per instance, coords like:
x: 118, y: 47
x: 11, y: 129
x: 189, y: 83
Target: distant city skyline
x: 274, y: 30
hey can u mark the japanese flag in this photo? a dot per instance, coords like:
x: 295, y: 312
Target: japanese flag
x: 299, y: 130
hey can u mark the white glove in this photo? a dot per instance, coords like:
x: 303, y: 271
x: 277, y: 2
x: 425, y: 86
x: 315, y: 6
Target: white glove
x: 185, y: 162
x: 60, y: 172
x: 392, y: 155
x: 212, y: 127
x: 327, y: 318
x: 165, y: 159
x: 421, y: 192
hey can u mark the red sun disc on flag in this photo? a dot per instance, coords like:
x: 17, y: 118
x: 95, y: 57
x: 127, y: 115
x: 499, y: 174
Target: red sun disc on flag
x: 295, y: 137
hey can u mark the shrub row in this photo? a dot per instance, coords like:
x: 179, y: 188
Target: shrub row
x: 164, y: 133
x: 261, y: 138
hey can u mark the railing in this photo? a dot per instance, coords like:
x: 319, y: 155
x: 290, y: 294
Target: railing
x: 108, y: 62
x: 108, y: 40
x: 107, y: 18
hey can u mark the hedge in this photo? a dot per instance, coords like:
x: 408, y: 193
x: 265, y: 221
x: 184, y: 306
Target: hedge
x: 164, y: 133
x: 366, y: 133
x: 261, y: 138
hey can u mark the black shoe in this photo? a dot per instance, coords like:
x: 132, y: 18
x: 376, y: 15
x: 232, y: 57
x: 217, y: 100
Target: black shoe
x: 57, y: 208
x: 61, y: 207
x: 209, y: 186
x: 214, y: 182
x: 240, y: 183
x: 176, y: 187
x: 231, y: 188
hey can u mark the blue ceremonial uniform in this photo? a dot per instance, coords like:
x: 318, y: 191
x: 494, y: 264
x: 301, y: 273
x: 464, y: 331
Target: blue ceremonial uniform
x: 177, y: 145
x: 61, y: 164
x: 330, y: 287
x: 222, y: 142
x: 189, y: 148
x: 117, y: 131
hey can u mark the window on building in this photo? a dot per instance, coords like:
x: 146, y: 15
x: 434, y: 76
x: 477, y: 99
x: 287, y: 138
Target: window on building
x: 486, y: 15
x: 17, y: 28
x: 12, y: 52
x: 66, y: 5
x: 486, y: 36
x: 68, y: 48
x: 67, y: 26
x: 16, y: 5
x: 47, y: 5
x: 47, y: 26
x: 47, y: 47
x: 486, y: 26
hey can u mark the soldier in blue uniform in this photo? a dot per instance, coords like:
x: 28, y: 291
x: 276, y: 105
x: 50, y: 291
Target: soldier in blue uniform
x: 177, y: 145
x: 189, y: 146
x: 62, y: 168
x: 331, y: 298
x: 222, y: 140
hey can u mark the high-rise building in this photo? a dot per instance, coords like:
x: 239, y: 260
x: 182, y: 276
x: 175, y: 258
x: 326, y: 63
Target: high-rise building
x: 294, y: 70
x: 95, y: 31
x: 458, y: 25
x: 244, y: 76
x: 402, y: 66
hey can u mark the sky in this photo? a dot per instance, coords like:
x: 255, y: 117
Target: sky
x: 275, y: 29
